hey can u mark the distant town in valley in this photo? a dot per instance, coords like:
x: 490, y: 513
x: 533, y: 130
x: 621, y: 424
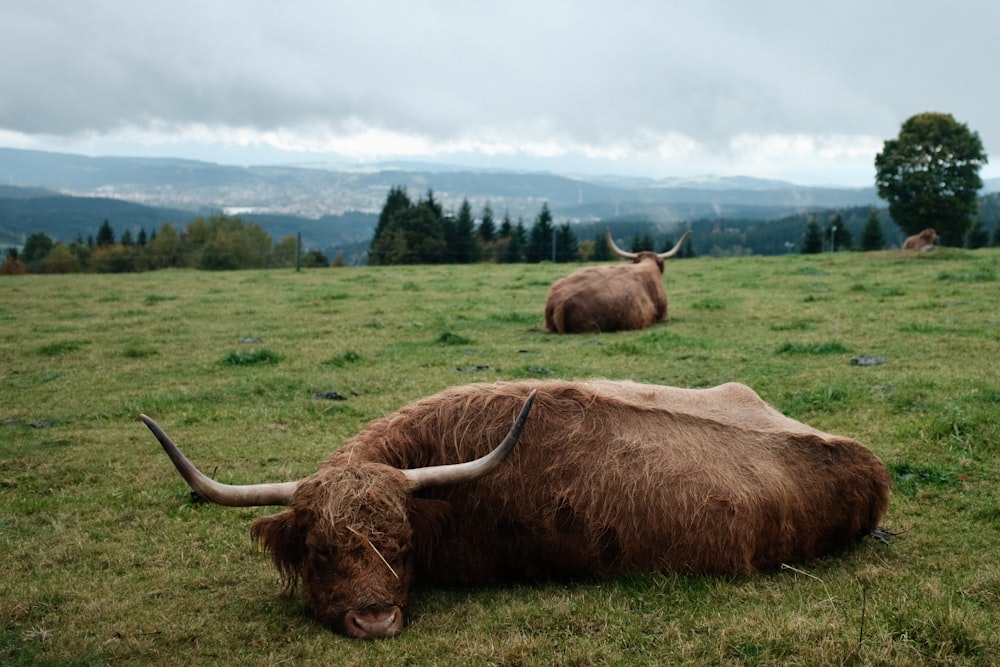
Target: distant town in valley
x: 334, y: 209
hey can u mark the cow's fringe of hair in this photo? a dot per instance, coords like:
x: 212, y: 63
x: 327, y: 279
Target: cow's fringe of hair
x: 375, y: 549
x: 363, y: 497
x: 359, y: 500
x: 278, y: 536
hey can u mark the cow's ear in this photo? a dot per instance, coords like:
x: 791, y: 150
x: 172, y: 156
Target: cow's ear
x: 428, y: 520
x: 282, y: 536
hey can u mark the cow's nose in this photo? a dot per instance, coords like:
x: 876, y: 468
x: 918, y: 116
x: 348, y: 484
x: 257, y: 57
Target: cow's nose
x: 374, y: 622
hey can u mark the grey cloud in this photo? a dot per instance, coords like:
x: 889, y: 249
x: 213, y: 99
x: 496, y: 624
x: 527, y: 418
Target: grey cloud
x: 591, y: 71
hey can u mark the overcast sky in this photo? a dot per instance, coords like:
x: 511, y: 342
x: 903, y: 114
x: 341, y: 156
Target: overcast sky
x: 800, y: 91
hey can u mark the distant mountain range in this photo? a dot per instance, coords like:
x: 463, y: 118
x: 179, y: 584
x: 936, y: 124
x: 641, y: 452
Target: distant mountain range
x: 69, y: 196
x: 316, y: 190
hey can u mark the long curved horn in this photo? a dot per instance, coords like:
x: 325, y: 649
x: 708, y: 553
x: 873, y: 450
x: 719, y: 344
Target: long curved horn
x: 472, y: 470
x: 618, y: 251
x: 673, y: 251
x: 248, y: 495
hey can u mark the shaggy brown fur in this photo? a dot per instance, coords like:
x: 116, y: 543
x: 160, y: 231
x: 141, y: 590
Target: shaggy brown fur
x: 607, y: 477
x: 608, y: 298
x: 921, y: 241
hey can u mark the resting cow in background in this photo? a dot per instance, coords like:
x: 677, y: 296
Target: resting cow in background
x: 606, y: 478
x: 611, y: 298
x: 922, y: 241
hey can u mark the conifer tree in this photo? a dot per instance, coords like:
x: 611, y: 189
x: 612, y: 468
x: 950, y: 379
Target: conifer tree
x: 487, y: 228
x: 642, y: 241
x: 105, y: 235
x: 567, y: 248
x: 872, y: 237
x: 462, y: 246
x: 812, y: 242
x: 540, y: 237
x: 397, y: 200
x: 516, y: 246
x: 839, y: 235
x: 602, y: 251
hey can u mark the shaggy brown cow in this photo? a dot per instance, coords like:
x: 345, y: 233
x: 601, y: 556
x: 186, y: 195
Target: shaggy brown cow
x: 607, y: 478
x: 611, y: 298
x: 921, y: 241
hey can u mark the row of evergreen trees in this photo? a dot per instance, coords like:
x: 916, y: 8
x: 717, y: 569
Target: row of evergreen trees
x: 420, y: 232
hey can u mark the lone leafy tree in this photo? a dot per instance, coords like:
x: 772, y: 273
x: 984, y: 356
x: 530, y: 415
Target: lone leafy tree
x: 929, y: 176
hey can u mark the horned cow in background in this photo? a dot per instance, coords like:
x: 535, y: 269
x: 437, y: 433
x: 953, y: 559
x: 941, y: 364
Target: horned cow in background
x: 606, y: 478
x: 925, y: 240
x: 611, y: 298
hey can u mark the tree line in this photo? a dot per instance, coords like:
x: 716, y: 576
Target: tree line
x: 420, y: 232
x: 216, y: 243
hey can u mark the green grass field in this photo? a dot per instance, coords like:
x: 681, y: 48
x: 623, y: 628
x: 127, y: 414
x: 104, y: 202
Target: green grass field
x: 105, y: 559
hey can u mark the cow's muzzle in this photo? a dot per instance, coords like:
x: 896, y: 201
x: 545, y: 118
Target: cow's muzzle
x: 374, y: 622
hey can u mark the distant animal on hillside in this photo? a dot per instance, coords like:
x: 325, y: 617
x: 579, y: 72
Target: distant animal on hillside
x: 922, y: 241
x: 611, y: 298
x: 606, y: 478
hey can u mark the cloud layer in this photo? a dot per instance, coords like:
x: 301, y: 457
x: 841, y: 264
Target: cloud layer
x: 772, y: 89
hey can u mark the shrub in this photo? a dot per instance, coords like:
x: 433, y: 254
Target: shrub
x: 239, y: 358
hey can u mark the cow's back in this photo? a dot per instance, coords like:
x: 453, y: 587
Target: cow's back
x: 618, y: 476
x: 606, y: 299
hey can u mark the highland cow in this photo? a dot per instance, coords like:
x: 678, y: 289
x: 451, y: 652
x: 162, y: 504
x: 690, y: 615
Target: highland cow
x: 611, y: 298
x: 604, y: 478
x: 922, y: 241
